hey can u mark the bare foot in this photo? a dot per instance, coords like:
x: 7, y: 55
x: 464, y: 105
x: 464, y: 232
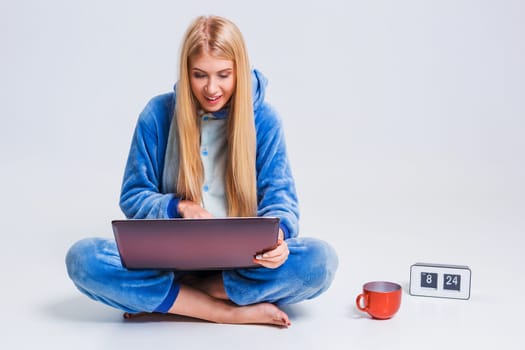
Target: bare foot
x: 263, y: 313
x: 195, y: 303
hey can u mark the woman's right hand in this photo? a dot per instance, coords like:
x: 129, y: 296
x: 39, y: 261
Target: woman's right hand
x: 191, y: 210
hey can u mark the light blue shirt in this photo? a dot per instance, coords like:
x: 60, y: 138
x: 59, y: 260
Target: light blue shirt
x: 214, y: 155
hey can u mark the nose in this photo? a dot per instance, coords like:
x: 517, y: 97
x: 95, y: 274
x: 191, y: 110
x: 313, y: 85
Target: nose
x: 211, y: 86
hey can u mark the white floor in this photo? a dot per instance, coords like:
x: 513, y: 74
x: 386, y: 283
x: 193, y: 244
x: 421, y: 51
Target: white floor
x: 41, y: 306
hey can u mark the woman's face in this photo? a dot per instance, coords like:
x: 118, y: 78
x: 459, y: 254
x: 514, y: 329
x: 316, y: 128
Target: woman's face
x: 212, y: 81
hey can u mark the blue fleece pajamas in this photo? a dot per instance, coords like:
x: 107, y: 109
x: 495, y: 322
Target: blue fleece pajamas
x: 148, y: 191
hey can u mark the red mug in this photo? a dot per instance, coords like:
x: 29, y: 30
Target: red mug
x: 380, y: 299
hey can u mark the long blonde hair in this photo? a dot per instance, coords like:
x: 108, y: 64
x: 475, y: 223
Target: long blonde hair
x: 219, y: 38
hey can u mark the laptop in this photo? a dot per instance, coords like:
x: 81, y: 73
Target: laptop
x: 194, y: 244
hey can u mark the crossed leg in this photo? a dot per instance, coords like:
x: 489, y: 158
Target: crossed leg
x: 196, y: 303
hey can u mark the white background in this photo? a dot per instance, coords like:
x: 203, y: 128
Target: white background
x: 405, y: 127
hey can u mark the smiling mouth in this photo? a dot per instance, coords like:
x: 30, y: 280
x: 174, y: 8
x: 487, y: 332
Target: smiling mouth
x: 212, y: 99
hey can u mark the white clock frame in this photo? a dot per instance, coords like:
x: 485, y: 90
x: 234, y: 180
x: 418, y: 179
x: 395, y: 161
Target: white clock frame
x: 441, y: 270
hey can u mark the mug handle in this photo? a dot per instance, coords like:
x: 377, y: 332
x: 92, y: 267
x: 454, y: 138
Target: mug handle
x: 358, y: 300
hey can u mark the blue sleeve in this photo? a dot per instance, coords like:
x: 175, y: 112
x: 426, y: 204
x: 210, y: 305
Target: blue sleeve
x: 141, y: 196
x: 275, y: 184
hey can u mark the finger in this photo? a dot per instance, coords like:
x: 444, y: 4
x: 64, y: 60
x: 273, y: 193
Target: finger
x: 268, y: 265
x: 265, y: 262
x: 271, y: 263
x: 271, y: 256
x: 280, y: 250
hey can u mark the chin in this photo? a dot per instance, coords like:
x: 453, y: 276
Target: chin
x: 214, y: 108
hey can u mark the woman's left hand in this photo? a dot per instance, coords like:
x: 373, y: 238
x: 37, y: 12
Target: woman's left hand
x: 274, y: 258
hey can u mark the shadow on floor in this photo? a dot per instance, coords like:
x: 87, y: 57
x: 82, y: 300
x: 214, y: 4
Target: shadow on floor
x: 80, y: 309
x: 83, y: 310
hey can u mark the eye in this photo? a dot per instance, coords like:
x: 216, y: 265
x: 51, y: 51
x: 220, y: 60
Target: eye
x: 198, y: 75
x: 224, y: 75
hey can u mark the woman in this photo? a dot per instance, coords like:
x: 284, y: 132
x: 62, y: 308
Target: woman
x: 212, y: 148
